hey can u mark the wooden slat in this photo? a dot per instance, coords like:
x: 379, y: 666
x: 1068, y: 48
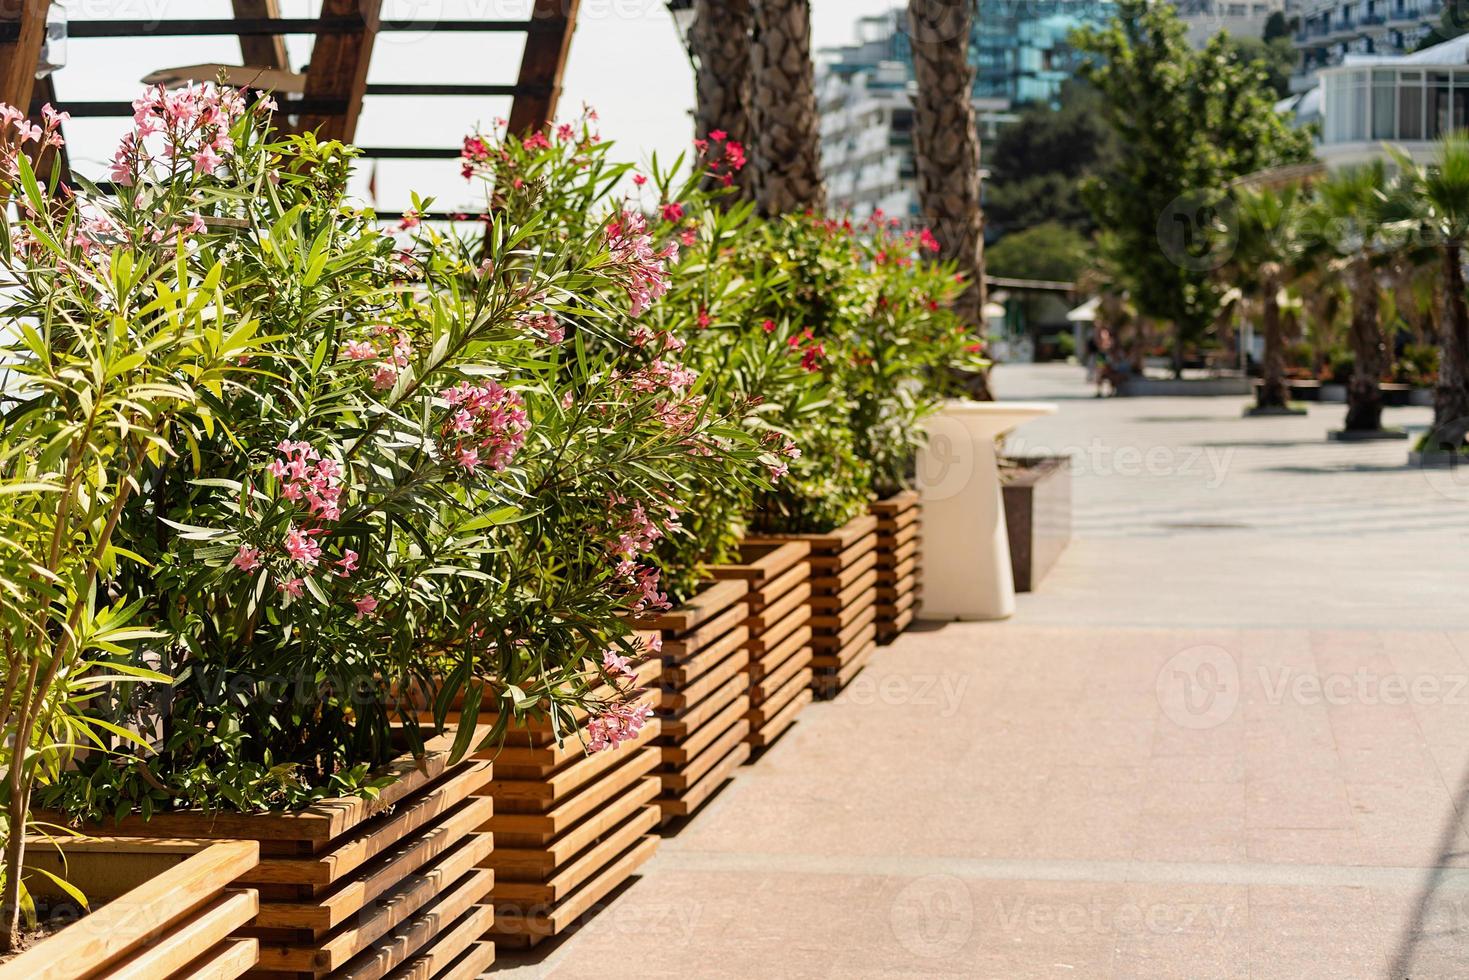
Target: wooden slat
x: 708, y: 602
x: 776, y: 727
x: 827, y: 604
x: 230, y: 959
x: 782, y: 696
x: 266, y: 50
x: 688, y: 749
x: 692, y: 798
x: 677, y: 724
x: 535, y: 863
x: 763, y: 563
x: 380, y: 875
x: 828, y: 685
x: 826, y: 643
x: 584, y: 867
x: 524, y: 793
x: 533, y: 829
x: 837, y: 581
x: 449, y: 925
x: 705, y: 633
x: 543, y: 64
x: 382, y: 916
x: 776, y: 635
x: 179, y: 947
x: 688, y: 774
x: 135, y: 919
x: 338, y: 69
x: 540, y: 923
x: 711, y: 680
x: 796, y: 646
x: 896, y: 504
x: 690, y: 670
x: 473, y: 963
x: 779, y: 609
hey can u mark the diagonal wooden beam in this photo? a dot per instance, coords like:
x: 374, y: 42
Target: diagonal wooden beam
x: 338, y: 68
x: 259, y: 50
x: 21, y: 51
x: 547, y: 45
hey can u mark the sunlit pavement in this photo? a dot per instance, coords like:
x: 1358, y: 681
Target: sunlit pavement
x: 1229, y: 737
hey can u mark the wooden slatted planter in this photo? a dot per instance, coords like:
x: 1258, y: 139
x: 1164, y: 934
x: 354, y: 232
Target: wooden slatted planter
x: 164, y: 910
x: 899, y: 563
x: 361, y: 889
x: 705, y: 697
x: 570, y: 827
x: 843, y: 603
x: 778, y: 675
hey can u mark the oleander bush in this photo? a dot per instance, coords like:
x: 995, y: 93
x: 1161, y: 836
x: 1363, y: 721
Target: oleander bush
x: 281, y: 487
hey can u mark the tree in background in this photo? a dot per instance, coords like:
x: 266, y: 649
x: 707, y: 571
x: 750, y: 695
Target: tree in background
x: 787, y: 129
x: 1187, y: 124
x: 1038, y: 164
x: 720, y: 42
x: 1048, y: 251
x: 946, y: 143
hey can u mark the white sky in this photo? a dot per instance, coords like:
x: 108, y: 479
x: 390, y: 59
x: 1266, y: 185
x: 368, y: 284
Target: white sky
x: 626, y: 61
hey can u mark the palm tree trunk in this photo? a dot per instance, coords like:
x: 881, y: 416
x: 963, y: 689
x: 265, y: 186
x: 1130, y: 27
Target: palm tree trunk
x: 946, y: 143
x: 787, y: 129
x: 1364, y: 392
x: 1274, y: 393
x: 1451, y: 397
x: 720, y: 41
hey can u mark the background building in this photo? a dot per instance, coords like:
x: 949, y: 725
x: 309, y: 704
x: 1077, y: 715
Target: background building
x: 1020, y: 53
x: 1330, y: 30
x: 1242, y: 18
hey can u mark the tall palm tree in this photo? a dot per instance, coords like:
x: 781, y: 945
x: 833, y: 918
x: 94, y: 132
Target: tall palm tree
x: 719, y: 40
x: 946, y: 143
x: 787, y: 128
x: 1351, y: 225
x: 1442, y: 191
x: 1266, y: 248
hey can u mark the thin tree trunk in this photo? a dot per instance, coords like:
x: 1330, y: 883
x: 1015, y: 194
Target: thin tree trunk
x: 1364, y: 391
x: 1451, y: 397
x: 946, y: 142
x: 720, y: 40
x: 1274, y: 393
x: 787, y: 128
x: 16, y: 810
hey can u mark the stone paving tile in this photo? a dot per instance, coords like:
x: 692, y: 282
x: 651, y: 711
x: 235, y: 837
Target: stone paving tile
x: 1186, y: 756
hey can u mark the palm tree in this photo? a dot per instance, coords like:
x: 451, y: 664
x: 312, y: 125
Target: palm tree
x: 719, y: 40
x: 1442, y: 192
x: 1350, y: 224
x: 1267, y: 245
x: 787, y: 128
x: 945, y: 142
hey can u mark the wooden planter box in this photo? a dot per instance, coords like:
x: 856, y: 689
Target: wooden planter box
x: 170, y: 911
x: 899, y: 562
x: 843, y: 600
x: 778, y: 675
x: 367, y: 888
x: 704, y: 701
x: 570, y: 827
x: 1037, y: 516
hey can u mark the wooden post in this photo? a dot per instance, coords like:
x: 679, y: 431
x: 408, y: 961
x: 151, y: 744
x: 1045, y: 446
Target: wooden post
x: 18, y: 57
x: 547, y: 45
x: 338, y: 68
x: 267, y: 51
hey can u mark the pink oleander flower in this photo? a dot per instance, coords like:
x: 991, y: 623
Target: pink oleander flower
x: 295, y: 588
x: 358, y: 350
x: 644, y: 268
x: 639, y: 179
x: 718, y: 135
x: 536, y: 141
x: 616, y: 724
x: 384, y: 378
x: 411, y: 220
x: 347, y: 564
x: 618, y: 666
x: 366, y: 606
x: 672, y: 211
x: 247, y: 559
x: 302, y: 548
x: 487, y: 426
x: 205, y: 160
x: 307, y: 478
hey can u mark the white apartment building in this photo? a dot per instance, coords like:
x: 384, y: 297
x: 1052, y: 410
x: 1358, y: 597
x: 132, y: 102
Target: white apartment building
x: 1331, y: 30
x: 1242, y: 18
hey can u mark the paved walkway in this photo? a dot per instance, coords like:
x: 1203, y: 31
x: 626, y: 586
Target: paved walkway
x: 1228, y: 738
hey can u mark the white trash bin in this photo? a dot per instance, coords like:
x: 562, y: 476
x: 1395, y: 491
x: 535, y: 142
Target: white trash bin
x: 966, y: 549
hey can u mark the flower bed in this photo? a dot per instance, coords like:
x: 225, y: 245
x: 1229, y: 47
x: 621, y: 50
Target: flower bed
x: 357, y: 887
x: 704, y: 701
x: 778, y: 675
x: 899, y: 562
x: 170, y: 911
x: 570, y: 827
x: 843, y: 601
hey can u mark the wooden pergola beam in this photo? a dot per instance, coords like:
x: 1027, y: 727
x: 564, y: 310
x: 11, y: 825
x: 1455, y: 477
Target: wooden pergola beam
x: 338, y: 68
x: 21, y: 50
x: 547, y: 45
x: 259, y: 50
